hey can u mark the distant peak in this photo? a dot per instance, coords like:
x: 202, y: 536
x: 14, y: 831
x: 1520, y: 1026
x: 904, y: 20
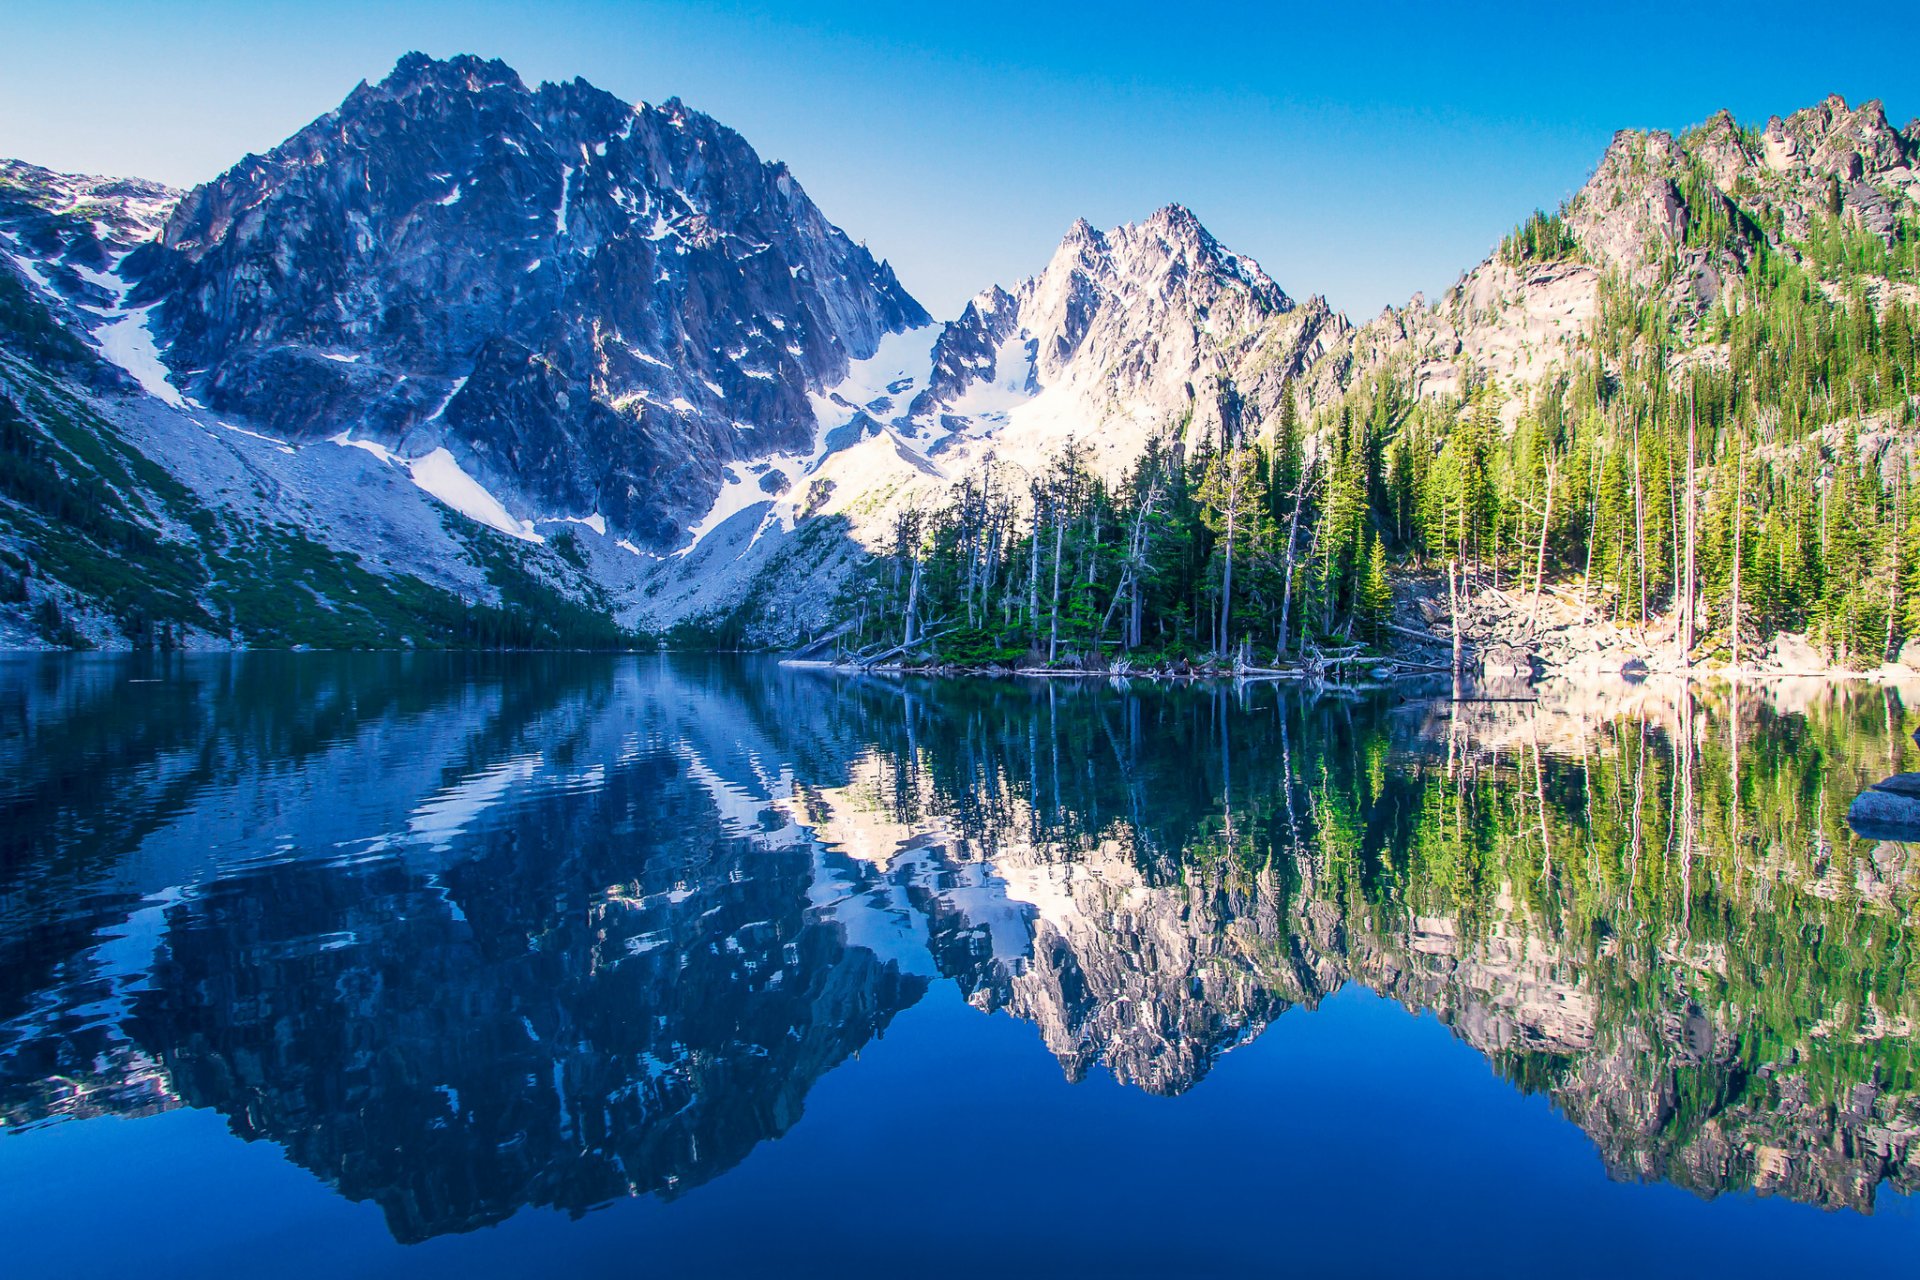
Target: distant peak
x: 990, y: 301
x: 1178, y: 223
x: 1082, y: 235
x: 415, y: 70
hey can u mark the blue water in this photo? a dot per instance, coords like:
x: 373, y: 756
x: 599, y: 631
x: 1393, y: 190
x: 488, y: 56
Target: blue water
x: 382, y: 966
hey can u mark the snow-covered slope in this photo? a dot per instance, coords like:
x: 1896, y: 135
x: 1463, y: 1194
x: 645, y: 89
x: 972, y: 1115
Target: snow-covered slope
x: 67, y: 235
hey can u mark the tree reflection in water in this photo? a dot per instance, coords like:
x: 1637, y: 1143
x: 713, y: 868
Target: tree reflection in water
x: 464, y: 935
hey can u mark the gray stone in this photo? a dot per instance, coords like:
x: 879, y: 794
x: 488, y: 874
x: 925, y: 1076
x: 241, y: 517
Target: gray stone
x: 1885, y: 815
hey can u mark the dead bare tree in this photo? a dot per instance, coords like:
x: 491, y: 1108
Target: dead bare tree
x: 1540, y: 560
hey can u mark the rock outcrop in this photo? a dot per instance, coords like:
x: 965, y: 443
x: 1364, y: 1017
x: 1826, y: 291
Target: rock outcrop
x: 1680, y: 214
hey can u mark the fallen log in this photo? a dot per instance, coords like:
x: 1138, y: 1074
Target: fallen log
x: 1428, y: 636
x: 901, y: 648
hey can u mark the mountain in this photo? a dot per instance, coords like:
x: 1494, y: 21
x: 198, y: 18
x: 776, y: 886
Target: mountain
x: 1655, y: 398
x: 1125, y: 333
x: 1149, y: 329
x: 593, y: 307
x: 66, y: 236
x: 602, y: 363
x: 1677, y: 216
x: 543, y: 314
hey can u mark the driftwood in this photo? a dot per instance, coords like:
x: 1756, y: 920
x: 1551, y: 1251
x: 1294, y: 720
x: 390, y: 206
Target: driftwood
x: 1439, y: 642
x: 884, y: 654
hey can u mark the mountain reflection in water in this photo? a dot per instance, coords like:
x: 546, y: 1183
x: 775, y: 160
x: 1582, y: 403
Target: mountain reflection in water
x: 467, y: 935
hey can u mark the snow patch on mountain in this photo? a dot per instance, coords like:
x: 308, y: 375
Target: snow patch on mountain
x: 128, y: 343
x: 439, y: 475
x: 881, y: 388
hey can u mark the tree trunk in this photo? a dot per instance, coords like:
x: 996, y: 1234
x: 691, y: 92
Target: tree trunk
x: 1453, y: 616
x: 1540, y: 561
x: 1640, y: 523
x: 1593, y: 527
x: 913, y: 607
x: 1226, y: 586
x: 1113, y: 606
x: 1739, y: 523
x: 1674, y: 486
x: 1033, y: 584
x: 1286, y: 595
x: 1686, y: 648
x: 1059, y: 545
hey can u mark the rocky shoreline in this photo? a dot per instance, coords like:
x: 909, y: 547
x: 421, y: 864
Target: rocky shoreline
x: 1341, y: 669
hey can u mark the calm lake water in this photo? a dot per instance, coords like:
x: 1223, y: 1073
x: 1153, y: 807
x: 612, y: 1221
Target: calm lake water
x: 377, y: 965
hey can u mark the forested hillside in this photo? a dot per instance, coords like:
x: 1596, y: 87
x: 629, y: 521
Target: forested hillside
x: 1720, y: 454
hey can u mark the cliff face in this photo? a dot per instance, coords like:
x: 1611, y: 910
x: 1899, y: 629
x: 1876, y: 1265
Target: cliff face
x: 1677, y: 215
x: 592, y: 306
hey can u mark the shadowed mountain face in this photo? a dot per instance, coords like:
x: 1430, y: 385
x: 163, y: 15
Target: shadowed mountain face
x: 593, y: 306
x: 462, y: 937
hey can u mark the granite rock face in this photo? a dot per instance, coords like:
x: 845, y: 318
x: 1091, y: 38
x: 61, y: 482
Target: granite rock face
x: 593, y: 306
x: 1681, y: 214
x: 1126, y: 332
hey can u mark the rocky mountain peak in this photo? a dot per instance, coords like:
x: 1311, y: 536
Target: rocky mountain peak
x: 1824, y: 136
x: 592, y: 306
x: 1176, y: 224
x: 1125, y: 332
x: 67, y: 234
x: 117, y: 213
x: 1684, y: 214
x: 464, y: 72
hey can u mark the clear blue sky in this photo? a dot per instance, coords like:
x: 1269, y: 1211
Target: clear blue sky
x: 1358, y: 151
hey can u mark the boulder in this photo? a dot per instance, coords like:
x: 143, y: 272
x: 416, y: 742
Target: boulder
x: 1792, y: 653
x: 1885, y: 815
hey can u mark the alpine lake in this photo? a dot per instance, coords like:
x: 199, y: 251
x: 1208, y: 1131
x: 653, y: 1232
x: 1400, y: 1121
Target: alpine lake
x: 427, y: 964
